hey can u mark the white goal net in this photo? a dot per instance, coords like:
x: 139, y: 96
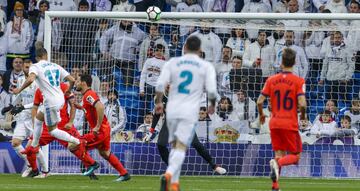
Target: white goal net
x: 124, y: 53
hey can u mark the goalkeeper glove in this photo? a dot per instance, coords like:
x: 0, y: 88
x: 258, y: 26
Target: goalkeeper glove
x: 17, y: 109
x: 6, y: 109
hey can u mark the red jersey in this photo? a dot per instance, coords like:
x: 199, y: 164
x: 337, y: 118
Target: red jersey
x: 283, y: 90
x: 38, y: 99
x: 90, y: 98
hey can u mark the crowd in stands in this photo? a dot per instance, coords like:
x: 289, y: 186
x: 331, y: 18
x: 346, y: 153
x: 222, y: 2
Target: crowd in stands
x: 243, y: 58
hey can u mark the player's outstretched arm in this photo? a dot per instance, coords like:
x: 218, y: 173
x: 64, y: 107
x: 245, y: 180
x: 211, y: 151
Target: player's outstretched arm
x: 260, y: 104
x: 29, y: 80
x: 302, y: 106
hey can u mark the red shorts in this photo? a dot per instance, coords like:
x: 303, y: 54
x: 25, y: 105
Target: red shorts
x: 100, y: 141
x: 46, y: 138
x: 286, y: 140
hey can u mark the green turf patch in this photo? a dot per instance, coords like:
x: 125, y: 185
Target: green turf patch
x: 151, y: 183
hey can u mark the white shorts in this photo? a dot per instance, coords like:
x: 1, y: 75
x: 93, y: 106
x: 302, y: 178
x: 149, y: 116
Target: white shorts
x: 51, y: 115
x: 182, y: 130
x: 23, y: 129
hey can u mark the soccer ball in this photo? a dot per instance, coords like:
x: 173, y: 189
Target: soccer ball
x: 153, y: 13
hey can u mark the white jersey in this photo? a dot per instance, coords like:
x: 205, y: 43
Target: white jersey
x: 25, y: 98
x: 48, y: 78
x: 188, y: 76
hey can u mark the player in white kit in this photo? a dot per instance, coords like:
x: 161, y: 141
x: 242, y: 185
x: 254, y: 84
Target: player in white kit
x: 23, y: 103
x: 188, y: 76
x: 48, y: 76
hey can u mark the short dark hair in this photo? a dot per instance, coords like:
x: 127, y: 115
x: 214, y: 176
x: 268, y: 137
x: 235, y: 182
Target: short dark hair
x: 83, y: 3
x: 346, y: 117
x: 115, y: 92
x: 86, y: 78
x: 326, y: 112
x: 228, y: 48
x: 288, y: 57
x: 27, y: 61
x: 40, y: 52
x: 44, y: 2
x: 159, y: 47
x: 203, y: 108
x: 193, y: 43
x: 237, y: 57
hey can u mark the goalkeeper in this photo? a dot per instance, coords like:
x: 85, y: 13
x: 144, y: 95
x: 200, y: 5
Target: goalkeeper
x: 164, y: 137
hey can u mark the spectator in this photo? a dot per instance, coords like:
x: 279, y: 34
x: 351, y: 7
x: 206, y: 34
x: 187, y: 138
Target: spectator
x: 103, y: 26
x: 220, y: 6
x: 3, y: 3
x: 301, y: 63
x: 56, y: 32
x: 6, y: 118
x: 346, y: 128
x: 77, y: 71
x: 19, y: 36
x: 277, y: 38
x: 11, y: 76
x: 61, y: 5
x: 125, y: 37
x: 293, y: 7
x: 79, y: 37
x: 144, y: 128
x: 123, y: 6
x: 330, y: 105
x: 238, y: 41
x: 147, y: 46
x: 203, y: 114
x: 104, y: 89
x: 336, y: 6
x: 188, y: 6
x: 354, y: 114
x: 99, y: 5
x: 222, y: 71
x: 255, y: 6
x: 209, y: 44
x: 3, y: 49
x: 175, y: 45
x: 260, y: 55
x: 325, y: 126
x: 337, y: 70
x: 224, y: 111
x: 115, y: 113
x: 244, y: 107
x: 150, y: 74
x: 354, y: 35
x: 320, y: 5
x: 312, y: 43
x: 236, y: 63
x: 279, y: 6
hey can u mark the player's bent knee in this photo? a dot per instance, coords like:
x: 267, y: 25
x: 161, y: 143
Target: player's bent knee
x: 179, y: 145
x: 40, y: 116
x: 51, y: 128
x: 104, y: 154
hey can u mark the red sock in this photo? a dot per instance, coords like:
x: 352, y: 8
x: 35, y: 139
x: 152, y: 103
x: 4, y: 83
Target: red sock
x: 84, y: 157
x: 275, y: 185
x: 114, y: 161
x: 31, y: 157
x: 288, y: 160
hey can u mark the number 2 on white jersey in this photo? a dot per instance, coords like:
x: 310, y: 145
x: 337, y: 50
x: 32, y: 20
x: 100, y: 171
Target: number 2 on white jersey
x: 53, y: 77
x: 188, y: 76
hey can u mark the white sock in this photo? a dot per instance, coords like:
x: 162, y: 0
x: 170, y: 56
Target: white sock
x: 37, y: 132
x: 40, y: 157
x: 175, y: 162
x: 62, y: 135
x: 19, y: 149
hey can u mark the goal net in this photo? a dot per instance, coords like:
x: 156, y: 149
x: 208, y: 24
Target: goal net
x: 124, y: 53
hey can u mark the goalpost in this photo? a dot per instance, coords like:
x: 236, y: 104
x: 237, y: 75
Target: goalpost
x: 241, y: 145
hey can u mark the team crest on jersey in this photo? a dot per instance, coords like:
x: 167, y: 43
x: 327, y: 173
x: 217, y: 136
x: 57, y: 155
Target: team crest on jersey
x: 90, y: 99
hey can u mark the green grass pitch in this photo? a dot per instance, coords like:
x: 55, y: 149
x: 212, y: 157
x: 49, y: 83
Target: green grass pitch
x: 189, y: 183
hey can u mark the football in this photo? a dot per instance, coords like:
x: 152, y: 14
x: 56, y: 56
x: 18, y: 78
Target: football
x: 153, y: 13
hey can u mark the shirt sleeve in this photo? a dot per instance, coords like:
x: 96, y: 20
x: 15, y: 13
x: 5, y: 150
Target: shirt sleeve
x: 38, y: 97
x: 33, y: 69
x: 92, y: 98
x: 63, y: 73
x: 266, y: 90
x: 164, y: 77
x: 301, y: 88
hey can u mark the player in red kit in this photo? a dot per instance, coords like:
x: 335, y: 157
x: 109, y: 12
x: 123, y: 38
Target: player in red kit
x: 99, y: 136
x: 286, y: 92
x: 66, y: 124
